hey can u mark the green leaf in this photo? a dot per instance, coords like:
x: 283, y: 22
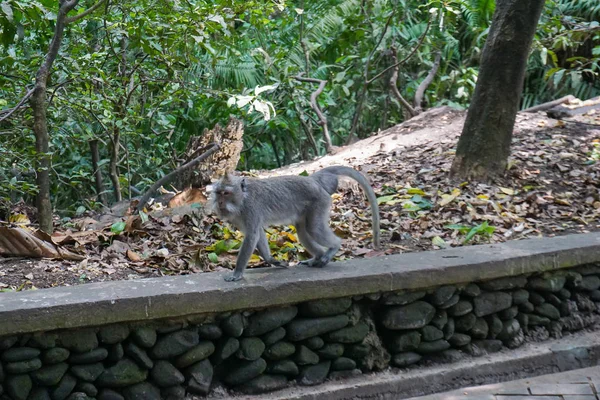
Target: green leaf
x: 118, y: 227
x: 213, y: 257
x: 143, y: 217
x: 303, y: 173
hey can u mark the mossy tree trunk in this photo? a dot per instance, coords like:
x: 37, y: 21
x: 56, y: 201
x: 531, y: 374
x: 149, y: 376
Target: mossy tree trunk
x: 484, y: 145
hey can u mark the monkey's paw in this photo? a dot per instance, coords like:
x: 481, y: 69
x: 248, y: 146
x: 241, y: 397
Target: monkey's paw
x: 307, y: 263
x: 280, y: 264
x: 232, y: 278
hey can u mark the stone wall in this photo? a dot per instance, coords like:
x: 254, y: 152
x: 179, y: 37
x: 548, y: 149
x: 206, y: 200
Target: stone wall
x: 256, y: 351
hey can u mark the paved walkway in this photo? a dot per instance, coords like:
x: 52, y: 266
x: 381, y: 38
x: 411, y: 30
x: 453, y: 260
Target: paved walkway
x: 581, y: 384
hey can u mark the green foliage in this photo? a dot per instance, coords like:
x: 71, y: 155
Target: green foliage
x: 155, y: 73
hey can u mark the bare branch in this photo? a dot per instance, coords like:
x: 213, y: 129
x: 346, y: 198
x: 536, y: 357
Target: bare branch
x: 315, y: 106
x: 210, y: 149
x: 394, y: 85
x: 550, y: 104
x: 426, y: 82
x: 84, y: 14
x: 405, y: 59
x: 15, y: 108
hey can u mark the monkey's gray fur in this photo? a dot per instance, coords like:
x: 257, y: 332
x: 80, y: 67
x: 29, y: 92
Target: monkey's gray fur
x: 303, y: 201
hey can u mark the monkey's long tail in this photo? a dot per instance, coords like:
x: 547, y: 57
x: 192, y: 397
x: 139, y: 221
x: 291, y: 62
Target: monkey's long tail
x: 321, y: 177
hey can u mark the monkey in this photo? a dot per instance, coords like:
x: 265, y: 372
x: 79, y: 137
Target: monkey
x: 303, y: 201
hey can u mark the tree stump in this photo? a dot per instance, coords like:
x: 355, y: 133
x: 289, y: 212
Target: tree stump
x: 230, y: 138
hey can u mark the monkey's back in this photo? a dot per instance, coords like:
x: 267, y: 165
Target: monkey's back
x: 283, y: 200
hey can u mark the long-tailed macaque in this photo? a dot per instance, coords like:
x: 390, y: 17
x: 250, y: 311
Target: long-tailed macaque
x: 303, y: 201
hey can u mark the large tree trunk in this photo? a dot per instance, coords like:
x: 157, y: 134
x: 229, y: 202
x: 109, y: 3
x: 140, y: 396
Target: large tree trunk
x: 484, y: 144
x: 40, y: 124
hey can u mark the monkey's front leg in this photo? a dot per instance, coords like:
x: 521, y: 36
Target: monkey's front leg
x: 265, y: 252
x: 248, y: 246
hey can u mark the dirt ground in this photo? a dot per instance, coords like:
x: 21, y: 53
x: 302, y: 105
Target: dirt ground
x: 552, y: 187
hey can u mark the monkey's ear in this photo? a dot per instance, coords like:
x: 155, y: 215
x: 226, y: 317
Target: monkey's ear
x: 244, y: 185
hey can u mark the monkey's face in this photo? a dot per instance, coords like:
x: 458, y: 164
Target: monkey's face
x: 227, y: 196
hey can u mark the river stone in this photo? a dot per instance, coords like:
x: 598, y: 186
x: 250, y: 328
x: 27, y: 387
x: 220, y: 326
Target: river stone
x: 169, y: 327
x: 314, y: 343
x: 64, y: 388
x: 314, y: 374
x: 87, y: 388
x: 465, y: 323
x: 55, y: 355
x: 39, y: 393
x: 304, y: 328
x: 138, y: 355
x: 18, y: 386
x: 588, y: 283
x: 107, y: 394
x: 283, y: 367
x: 350, y: 334
x: 175, y: 344
x: 1, y: 374
x: 553, y: 299
x: 536, y: 299
x: 88, y: 372
x: 209, y: 332
x: 489, y: 345
x: 495, y: 326
x: 200, y: 377
x: 442, y: 295
x: 449, y: 328
x: 79, y: 396
x: 433, y: 347
x: 124, y: 373
x: 453, y: 301
x: 405, y: 342
x: 402, y: 298
x: 584, y: 303
x: 431, y: 333
x: 7, y: 342
x: 523, y: 320
x: 145, y: 336
x: 279, y: 351
x: 265, y: 321
x: 142, y: 391
x: 263, y: 384
x: 43, y: 340
x: 115, y: 353
x: 305, y: 356
x: 204, y: 349
x: 548, y: 310
x: 273, y: 336
x: 551, y: 284
x: 50, y: 375
x: 331, y: 351
x: 20, y: 354
x: 23, y: 367
x: 357, y: 352
x: 440, y: 319
x: 405, y: 359
x: 459, y: 340
x: 233, y: 325
x: 90, y: 357
x: 250, y: 348
x: 472, y: 290
x: 164, y: 374
x: 113, y: 334
x: 491, y: 302
x: 526, y: 307
x: 343, y: 364
x: 480, y: 329
x: 564, y: 294
x: 461, y: 308
x: 79, y: 341
x: 509, y: 282
x: 509, y: 313
x: 412, y: 316
x: 588, y: 269
x: 173, y: 393
x: 595, y: 295
x: 325, y: 307
x: 449, y: 356
x: 510, y: 329
x: 225, y: 348
x: 535, y: 320
x: 520, y: 296
x: 243, y: 371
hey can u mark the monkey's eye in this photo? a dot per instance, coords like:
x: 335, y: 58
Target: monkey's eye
x: 225, y: 193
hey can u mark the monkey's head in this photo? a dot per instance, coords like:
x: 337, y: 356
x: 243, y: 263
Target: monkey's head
x: 228, y: 195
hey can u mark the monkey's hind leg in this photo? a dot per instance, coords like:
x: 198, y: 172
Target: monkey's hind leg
x: 248, y: 246
x: 318, y: 228
x: 265, y: 252
x: 309, y: 244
